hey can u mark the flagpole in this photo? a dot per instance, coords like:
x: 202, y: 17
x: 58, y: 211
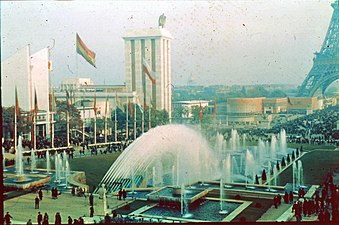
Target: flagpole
x: 15, y: 127
x: 95, y: 128
x: 95, y: 117
x: 143, y: 121
x: 83, y: 116
x: 35, y: 117
x: 135, y: 121
x: 115, y: 119
x: 67, y: 136
x: 127, y: 118
x: 52, y: 129
x: 149, y: 119
x: 105, y: 131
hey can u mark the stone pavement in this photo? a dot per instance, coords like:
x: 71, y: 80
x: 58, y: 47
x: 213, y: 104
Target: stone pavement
x: 22, y: 208
x: 273, y: 214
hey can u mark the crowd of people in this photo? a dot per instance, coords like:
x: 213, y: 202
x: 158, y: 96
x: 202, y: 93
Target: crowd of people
x: 316, y: 128
x: 324, y: 202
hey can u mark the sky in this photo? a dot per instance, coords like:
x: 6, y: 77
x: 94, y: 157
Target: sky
x: 244, y: 42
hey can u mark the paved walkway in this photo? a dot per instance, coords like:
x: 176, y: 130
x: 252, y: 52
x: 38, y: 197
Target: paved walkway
x: 22, y: 208
x: 272, y: 214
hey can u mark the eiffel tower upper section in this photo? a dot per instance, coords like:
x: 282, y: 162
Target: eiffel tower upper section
x: 325, y: 68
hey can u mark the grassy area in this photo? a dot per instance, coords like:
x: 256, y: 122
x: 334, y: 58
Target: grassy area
x: 316, y: 164
x: 95, y: 167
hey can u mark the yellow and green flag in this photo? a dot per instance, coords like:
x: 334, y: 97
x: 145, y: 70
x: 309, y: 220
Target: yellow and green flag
x: 85, y: 52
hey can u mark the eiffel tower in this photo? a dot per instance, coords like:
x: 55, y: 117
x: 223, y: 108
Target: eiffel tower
x: 325, y: 68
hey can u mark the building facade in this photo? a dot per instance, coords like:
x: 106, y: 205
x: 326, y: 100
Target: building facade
x: 153, y: 45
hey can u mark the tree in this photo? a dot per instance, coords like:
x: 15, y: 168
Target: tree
x: 206, y: 117
x: 61, y: 118
x: 23, y: 124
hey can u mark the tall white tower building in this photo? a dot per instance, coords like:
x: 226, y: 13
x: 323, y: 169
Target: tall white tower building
x: 154, y: 45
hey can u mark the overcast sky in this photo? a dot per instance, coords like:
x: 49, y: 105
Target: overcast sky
x: 215, y: 42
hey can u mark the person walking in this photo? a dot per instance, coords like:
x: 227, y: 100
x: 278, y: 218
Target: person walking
x: 8, y: 218
x: 290, y: 197
x: 124, y: 194
x: 39, y: 218
x: 107, y: 219
x: 36, y: 202
x: 70, y: 220
x: 40, y: 195
x: 57, y: 219
x: 45, y: 221
x: 91, y: 211
x: 91, y: 199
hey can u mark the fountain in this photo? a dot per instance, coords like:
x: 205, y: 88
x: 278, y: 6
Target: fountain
x: 16, y: 178
x: 178, y: 163
x: 18, y: 161
x: 227, y: 169
x: 249, y: 166
x: 163, y: 147
x: 48, y: 163
x: 283, y: 146
x: 297, y: 175
x: 244, y: 140
x: 3, y: 160
x: 67, y: 173
x: 269, y: 167
x: 300, y: 174
x: 261, y: 151
x: 56, y: 165
x: 273, y: 147
x: 33, y: 161
x: 275, y: 171
x: 222, y: 210
x: 184, y: 204
x: 234, y: 139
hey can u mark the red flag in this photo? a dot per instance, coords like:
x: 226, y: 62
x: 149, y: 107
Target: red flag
x: 200, y: 108
x: 17, y: 109
x: 215, y: 110
x: 130, y: 108
x: 67, y: 100
x: 28, y: 118
x: 147, y: 70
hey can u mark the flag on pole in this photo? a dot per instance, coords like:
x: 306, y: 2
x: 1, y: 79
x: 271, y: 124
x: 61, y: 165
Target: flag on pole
x: 140, y: 106
x: 289, y: 101
x: 215, y: 110
x: 36, y: 109
x: 130, y: 108
x: 119, y: 103
x: 17, y: 109
x: 147, y: 70
x: 52, y: 101
x: 50, y: 65
x: 200, y: 109
x: 67, y: 100
x: 84, y: 51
